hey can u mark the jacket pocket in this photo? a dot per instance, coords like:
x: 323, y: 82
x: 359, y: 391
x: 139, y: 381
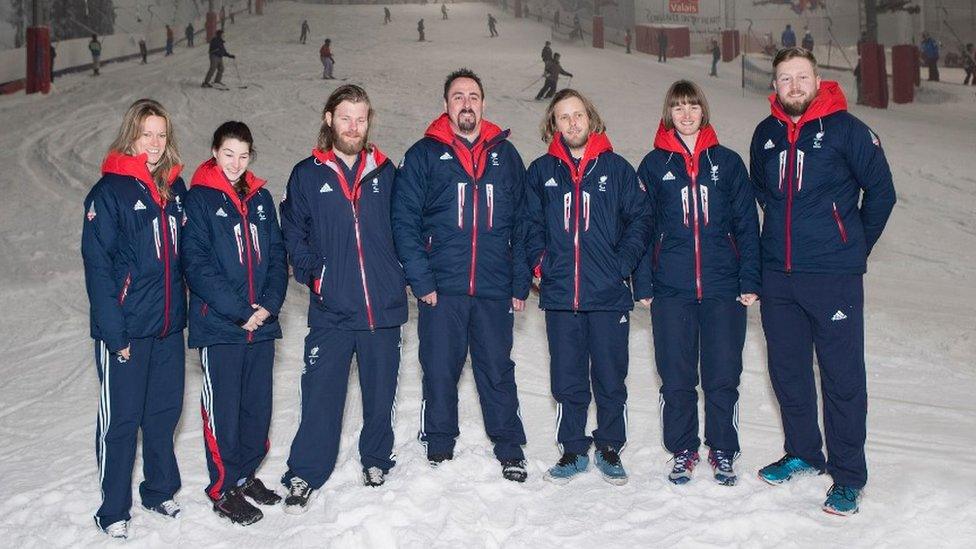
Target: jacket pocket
x: 840, y: 224
x: 125, y: 288
x: 537, y: 270
x: 657, y: 251
x: 317, y: 282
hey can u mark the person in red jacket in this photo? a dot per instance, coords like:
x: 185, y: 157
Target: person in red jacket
x: 325, y: 55
x: 138, y: 310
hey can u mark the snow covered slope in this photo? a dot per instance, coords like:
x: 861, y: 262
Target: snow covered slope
x: 920, y: 303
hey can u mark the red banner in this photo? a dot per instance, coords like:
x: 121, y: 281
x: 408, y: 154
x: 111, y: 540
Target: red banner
x: 683, y: 6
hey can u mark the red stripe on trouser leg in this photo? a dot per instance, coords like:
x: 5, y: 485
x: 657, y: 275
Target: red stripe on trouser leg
x: 211, y: 441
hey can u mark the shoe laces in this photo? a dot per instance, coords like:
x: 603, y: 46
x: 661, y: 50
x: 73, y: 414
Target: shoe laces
x: 374, y: 474
x: 170, y: 506
x: 722, y: 460
x: 685, y: 459
x: 567, y: 459
x: 513, y: 463
x: 298, y: 486
x: 610, y: 456
x: 118, y: 529
x: 845, y: 492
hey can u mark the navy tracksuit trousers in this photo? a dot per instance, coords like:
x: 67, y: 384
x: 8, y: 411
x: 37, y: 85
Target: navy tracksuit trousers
x: 447, y: 332
x: 687, y: 332
x: 325, y: 380
x: 803, y: 312
x: 144, y: 392
x: 235, y: 403
x: 584, y: 347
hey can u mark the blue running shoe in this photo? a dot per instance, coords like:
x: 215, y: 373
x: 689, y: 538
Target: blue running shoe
x: 567, y: 468
x: 786, y: 469
x: 842, y: 500
x: 608, y: 462
x: 721, y: 462
x: 684, y: 466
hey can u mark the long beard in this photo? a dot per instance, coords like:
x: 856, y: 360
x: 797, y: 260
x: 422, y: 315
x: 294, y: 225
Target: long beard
x: 346, y: 146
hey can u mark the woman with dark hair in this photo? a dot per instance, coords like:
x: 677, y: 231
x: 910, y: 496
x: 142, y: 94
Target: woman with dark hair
x: 700, y: 273
x: 234, y: 263
x: 138, y: 311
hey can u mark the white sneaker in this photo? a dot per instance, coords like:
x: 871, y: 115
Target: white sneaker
x: 373, y: 476
x: 118, y: 530
x: 168, y: 508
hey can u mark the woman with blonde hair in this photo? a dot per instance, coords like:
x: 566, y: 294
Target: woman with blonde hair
x: 130, y: 237
x: 698, y: 276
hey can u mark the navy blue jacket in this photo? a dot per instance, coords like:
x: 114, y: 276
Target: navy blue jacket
x: 340, y: 243
x: 809, y: 177
x: 233, y: 256
x: 706, y: 229
x: 457, y: 215
x: 589, y: 225
x: 130, y: 245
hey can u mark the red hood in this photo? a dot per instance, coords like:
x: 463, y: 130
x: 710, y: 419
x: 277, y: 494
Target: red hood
x: 830, y: 99
x: 370, y: 158
x: 370, y: 149
x: 135, y: 166
x: 210, y: 175
x: 440, y: 129
x: 597, y: 144
x: 668, y: 140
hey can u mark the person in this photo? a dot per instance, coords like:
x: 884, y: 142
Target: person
x: 627, y: 40
x: 304, y: 32
x: 143, y: 51
x: 129, y: 244
x: 458, y: 226
x: 968, y: 64
x: 325, y: 55
x: 551, y: 74
x: 826, y: 190
x: 698, y: 276
x: 53, y: 53
x: 662, y: 46
x: 788, y: 38
x: 492, y: 31
x: 577, y: 31
x: 930, y: 56
x: 387, y: 16
x: 336, y: 221
x: 555, y: 20
x: 588, y: 226
x: 95, y: 47
x: 420, y: 30
x: 807, y: 42
x: 223, y: 16
x: 546, y: 53
x: 234, y: 265
x: 169, y: 40
x: 217, y: 54
x: 189, y: 35
x: 444, y: 11
x: 716, y: 55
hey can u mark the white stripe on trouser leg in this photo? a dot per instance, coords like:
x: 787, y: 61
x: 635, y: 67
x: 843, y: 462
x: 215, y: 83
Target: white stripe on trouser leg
x: 660, y: 406
x: 208, y: 392
x: 621, y: 450
x: 559, y: 421
x: 735, y: 424
x: 104, y: 413
x: 421, y: 433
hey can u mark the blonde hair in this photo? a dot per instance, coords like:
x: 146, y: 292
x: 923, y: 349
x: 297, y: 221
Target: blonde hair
x: 548, y: 126
x: 683, y: 92
x: 131, y: 130
x: 346, y: 92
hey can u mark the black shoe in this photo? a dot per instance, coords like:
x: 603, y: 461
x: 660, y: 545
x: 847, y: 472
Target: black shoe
x: 436, y: 459
x: 299, y: 496
x: 256, y: 490
x: 514, y: 470
x: 234, y: 507
x: 206, y: 85
x: 373, y: 477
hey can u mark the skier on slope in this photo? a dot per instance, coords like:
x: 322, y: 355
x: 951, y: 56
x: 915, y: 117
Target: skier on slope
x: 325, y: 55
x: 420, y: 30
x: 492, y: 22
x: 551, y: 74
x: 303, y: 36
x: 217, y: 54
x: 546, y: 53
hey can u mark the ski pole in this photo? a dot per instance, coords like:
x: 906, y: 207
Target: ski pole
x: 532, y: 83
x: 240, y: 81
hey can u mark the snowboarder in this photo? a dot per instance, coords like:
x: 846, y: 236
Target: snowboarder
x: 143, y: 51
x: 237, y: 286
x: 814, y: 255
x: 698, y: 291
x: 325, y: 55
x: 444, y: 12
x: 303, y: 36
x: 457, y: 225
x: 138, y: 311
x: 788, y: 37
x: 662, y: 46
x: 807, y: 42
x: 546, y: 53
x: 420, y: 30
x: 716, y: 55
x: 217, y: 54
x: 551, y: 74
x: 492, y: 31
x: 189, y: 35
x: 930, y: 56
x: 588, y: 225
x: 169, y: 40
x: 336, y: 200
x: 387, y: 16
x: 95, y: 47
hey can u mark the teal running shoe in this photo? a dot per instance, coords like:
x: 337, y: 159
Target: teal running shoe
x: 786, y: 469
x: 608, y: 462
x: 842, y: 500
x: 567, y: 468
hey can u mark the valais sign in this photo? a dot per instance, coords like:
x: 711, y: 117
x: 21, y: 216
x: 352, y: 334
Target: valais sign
x: 683, y: 6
